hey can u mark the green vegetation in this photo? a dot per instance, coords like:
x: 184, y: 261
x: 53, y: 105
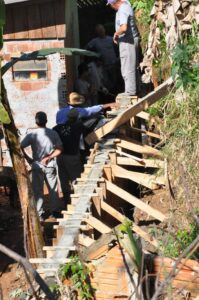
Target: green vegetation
x: 136, y: 253
x: 173, y: 244
x: 142, y: 10
x: 79, y: 276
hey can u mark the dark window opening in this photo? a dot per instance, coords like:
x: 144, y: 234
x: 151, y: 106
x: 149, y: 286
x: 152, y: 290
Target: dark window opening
x: 31, y: 70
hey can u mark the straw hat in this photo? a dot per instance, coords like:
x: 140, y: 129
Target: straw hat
x: 76, y: 99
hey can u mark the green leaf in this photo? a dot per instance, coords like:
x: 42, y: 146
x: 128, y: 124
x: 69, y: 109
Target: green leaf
x: 4, y: 117
x: 48, y: 51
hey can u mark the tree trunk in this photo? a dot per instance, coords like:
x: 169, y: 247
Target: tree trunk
x: 33, y: 238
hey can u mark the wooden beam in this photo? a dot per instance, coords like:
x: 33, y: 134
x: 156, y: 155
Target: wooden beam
x: 135, y: 201
x: 85, y: 241
x: 144, y: 103
x: 135, y: 146
x: 149, y: 133
x: 150, y: 181
x: 121, y: 218
x: 97, y: 224
x: 146, y: 163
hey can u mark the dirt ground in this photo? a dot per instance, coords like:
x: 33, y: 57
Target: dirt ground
x: 12, y: 277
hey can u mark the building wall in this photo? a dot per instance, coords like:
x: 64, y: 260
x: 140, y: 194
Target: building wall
x: 33, y: 26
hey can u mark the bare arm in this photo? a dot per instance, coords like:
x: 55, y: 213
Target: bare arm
x: 122, y: 29
x: 54, y: 154
x: 111, y: 105
x: 27, y: 157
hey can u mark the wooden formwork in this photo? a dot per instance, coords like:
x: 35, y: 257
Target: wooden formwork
x: 96, y: 203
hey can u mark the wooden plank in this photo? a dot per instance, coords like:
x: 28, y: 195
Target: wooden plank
x: 149, y: 133
x: 59, y: 11
x: 54, y: 248
x: 20, y: 21
x: 85, y: 240
x: 121, y: 218
x: 9, y: 26
x: 97, y: 224
x: 140, y: 160
x: 34, y: 22
x: 135, y: 201
x: 47, y: 20
x: 137, y: 147
x: 146, y: 163
x: 144, y: 103
x: 150, y: 181
x: 49, y: 260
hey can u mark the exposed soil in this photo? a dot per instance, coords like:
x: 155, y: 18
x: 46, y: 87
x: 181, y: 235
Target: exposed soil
x: 11, y: 235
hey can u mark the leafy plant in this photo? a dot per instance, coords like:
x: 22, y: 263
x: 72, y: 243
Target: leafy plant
x: 126, y: 228
x: 79, y: 276
x: 175, y: 245
x: 184, y: 68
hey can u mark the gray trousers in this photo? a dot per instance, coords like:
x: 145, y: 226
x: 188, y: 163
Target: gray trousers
x: 49, y: 176
x: 69, y: 168
x: 129, y: 65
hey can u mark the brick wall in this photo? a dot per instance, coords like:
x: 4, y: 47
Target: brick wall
x: 28, y: 97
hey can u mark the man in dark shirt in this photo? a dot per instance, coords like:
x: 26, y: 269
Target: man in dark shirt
x: 69, y: 162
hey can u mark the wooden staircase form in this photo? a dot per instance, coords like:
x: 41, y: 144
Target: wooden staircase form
x: 107, y: 161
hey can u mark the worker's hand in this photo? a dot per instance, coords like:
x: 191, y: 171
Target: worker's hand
x: 114, y: 105
x: 45, y: 160
x: 115, y: 38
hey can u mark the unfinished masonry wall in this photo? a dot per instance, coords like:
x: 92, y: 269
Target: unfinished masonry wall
x: 28, y: 97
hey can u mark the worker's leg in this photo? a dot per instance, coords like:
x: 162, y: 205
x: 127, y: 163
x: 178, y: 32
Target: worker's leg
x: 64, y: 178
x: 51, y: 182
x: 37, y: 184
x: 128, y: 67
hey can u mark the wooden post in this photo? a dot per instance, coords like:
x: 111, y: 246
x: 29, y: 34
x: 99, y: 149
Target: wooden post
x: 32, y: 229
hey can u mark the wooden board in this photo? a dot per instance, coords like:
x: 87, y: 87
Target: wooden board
x: 97, y: 224
x: 135, y: 201
x: 34, y: 22
x: 47, y: 20
x: 121, y: 218
x: 59, y: 11
x: 144, y: 103
x: 150, y: 181
x: 146, y: 163
x: 137, y: 147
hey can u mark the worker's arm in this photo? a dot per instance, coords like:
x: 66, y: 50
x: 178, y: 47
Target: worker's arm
x: 26, y: 142
x: 111, y: 105
x: 52, y: 155
x: 27, y: 157
x: 122, y: 29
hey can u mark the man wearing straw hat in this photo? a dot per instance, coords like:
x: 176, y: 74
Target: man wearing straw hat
x: 77, y: 101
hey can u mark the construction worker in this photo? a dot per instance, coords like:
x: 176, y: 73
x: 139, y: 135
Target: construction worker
x: 46, y: 146
x: 78, y: 101
x: 127, y: 36
x: 69, y: 162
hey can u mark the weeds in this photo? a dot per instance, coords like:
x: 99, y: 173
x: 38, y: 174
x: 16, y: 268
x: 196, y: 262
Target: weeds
x: 79, y: 276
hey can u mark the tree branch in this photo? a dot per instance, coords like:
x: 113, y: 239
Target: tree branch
x: 29, y: 268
